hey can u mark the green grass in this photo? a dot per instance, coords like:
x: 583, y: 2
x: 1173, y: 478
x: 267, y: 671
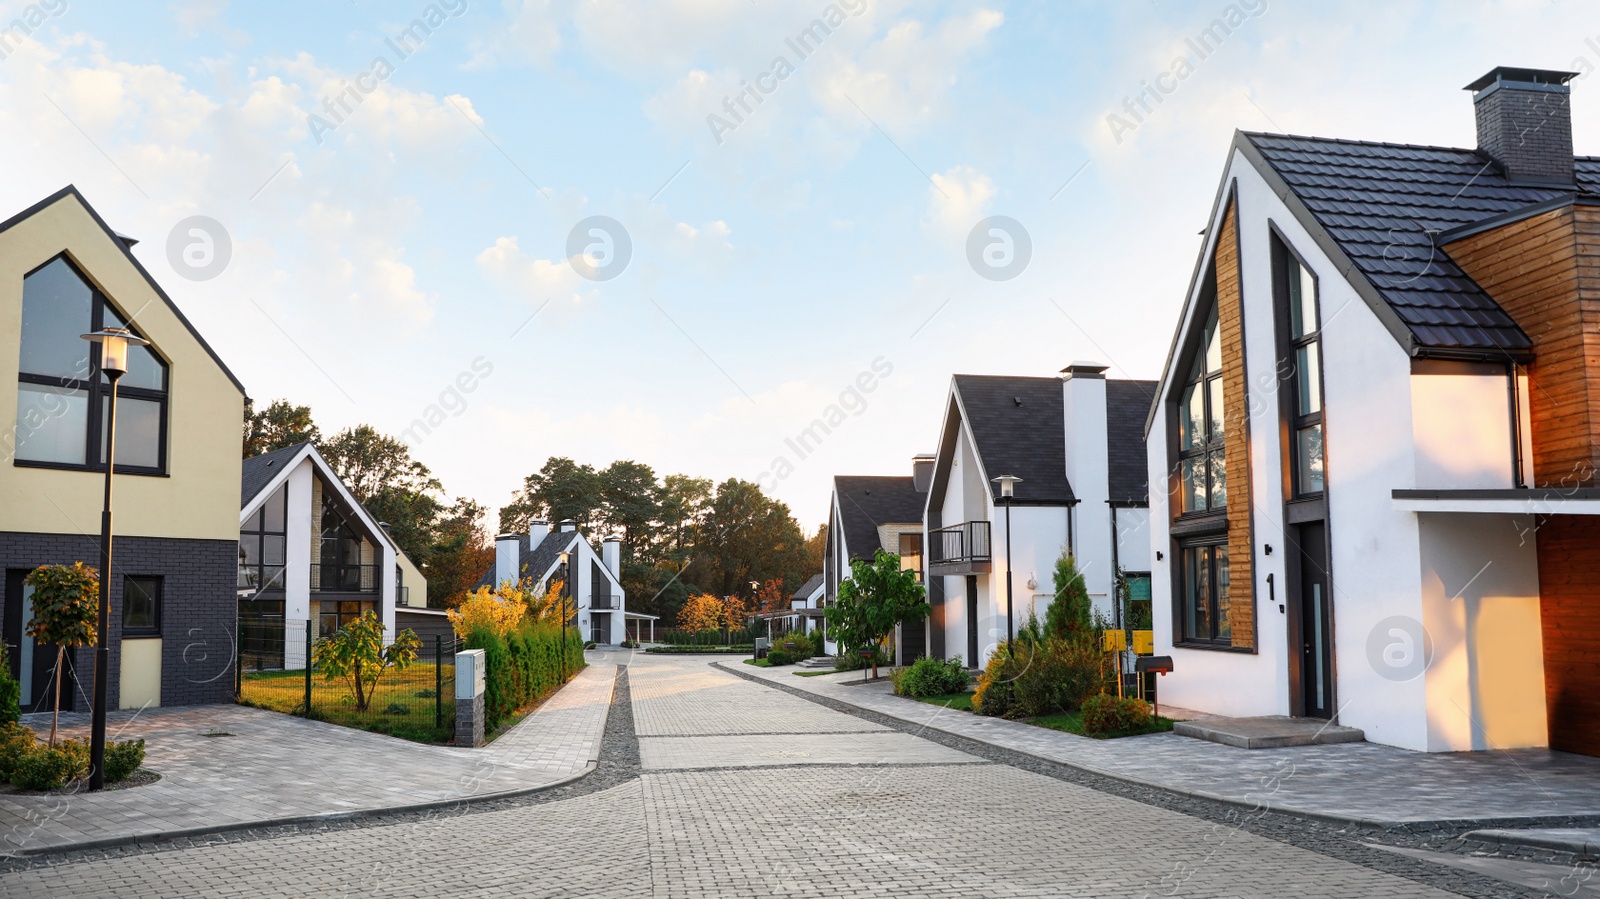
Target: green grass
x: 759, y: 663
x: 961, y: 702
x: 812, y: 673
x: 284, y: 691
x: 1072, y: 723
x: 701, y: 650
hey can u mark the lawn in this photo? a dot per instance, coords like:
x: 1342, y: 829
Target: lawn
x: 759, y: 663
x: 1072, y: 723
x: 403, y: 706
x: 961, y: 702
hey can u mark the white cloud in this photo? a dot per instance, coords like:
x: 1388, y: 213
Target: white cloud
x: 957, y: 199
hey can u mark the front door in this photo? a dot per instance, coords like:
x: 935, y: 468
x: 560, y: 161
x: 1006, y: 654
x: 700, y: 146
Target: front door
x: 33, y: 665
x: 972, y: 621
x: 1316, y: 621
x: 600, y: 630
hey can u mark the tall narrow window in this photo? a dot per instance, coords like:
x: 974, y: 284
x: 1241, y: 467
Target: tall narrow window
x: 1203, y: 480
x: 262, y: 541
x: 1204, y: 573
x: 63, y: 398
x: 911, y: 554
x: 341, y: 569
x: 1306, y: 346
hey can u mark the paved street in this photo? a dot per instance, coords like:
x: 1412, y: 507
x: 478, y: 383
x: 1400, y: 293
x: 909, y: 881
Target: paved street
x: 739, y: 789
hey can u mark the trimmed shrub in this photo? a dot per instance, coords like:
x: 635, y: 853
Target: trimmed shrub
x: 776, y: 657
x: 1059, y: 674
x: 44, y: 768
x: 1105, y: 715
x: 10, y: 697
x: 996, y: 695
x: 819, y: 646
x: 123, y: 757
x: 15, y: 742
x: 524, y: 666
x: 851, y: 662
x: 930, y: 677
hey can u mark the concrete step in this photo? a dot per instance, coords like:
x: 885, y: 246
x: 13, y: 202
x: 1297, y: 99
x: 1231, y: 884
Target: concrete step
x: 1268, y: 732
x: 816, y: 662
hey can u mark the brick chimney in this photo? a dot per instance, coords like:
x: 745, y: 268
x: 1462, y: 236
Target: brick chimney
x: 1525, y: 123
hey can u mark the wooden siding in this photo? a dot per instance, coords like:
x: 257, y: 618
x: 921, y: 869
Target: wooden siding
x: 1236, y: 451
x: 1569, y: 611
x: 1545, y: 272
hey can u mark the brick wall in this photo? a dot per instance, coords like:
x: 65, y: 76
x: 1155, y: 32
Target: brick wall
x: 198, y: 615
x: 1528, y: 131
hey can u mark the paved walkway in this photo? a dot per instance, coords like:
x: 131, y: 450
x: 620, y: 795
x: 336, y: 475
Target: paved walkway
x: 1361, y: 782
x: 880, y: 818
x: 230, y: 766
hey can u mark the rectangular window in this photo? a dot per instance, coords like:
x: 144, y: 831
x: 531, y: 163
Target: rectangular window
x: 1297, y: 288
x: 52, y: 423
x: 1205, y: 593
x: 1202, y: 429
x: 911, y: 554
x: 141, y: 606
x: 262, y: 545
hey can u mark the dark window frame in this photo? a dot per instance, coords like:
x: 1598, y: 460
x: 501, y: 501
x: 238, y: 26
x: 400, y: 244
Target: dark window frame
x: 158, y: 598
x: 260, y: 535
x: 1215, y: 638
x: 915, y: 537
x: 1211, y: 451
x: 98, y: 390
x: 1288, y: 263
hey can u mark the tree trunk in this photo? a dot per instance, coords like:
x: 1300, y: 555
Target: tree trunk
x: 361, y: 698
x: 61, y: 653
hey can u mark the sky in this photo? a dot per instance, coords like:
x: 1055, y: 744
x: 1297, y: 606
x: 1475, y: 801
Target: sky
x: 680, y: 231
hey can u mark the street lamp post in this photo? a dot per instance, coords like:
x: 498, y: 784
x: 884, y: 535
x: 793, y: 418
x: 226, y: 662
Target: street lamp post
x: 114, y: 344
x: 566, y: 591
x: 755, y: 597
x: 1008, y: 484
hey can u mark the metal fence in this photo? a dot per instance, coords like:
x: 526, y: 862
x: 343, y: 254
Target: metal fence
x: 415, y: 703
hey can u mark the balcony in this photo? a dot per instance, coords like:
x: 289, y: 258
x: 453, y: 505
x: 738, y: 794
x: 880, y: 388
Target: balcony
x: 603, y: 602
x: 345, y: 579
x: 960, y: 549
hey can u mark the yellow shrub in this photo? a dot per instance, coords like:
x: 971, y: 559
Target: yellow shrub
x: 484, y: 609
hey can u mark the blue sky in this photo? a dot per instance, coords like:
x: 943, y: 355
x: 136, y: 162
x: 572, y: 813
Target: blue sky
x: 819, y: 245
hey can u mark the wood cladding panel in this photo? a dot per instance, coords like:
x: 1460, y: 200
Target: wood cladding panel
x: 1545, y: 272
x: 1569, y: 614
x: 1236, y: 421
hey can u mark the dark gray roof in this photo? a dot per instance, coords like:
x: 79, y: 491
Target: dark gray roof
x: 1385, y: 205
x: 1018, y: 425
x: 867, y: 501
x: 1127, y: 403
x: 258, y: 471
x: 809, y: 587
x: 534, y: 563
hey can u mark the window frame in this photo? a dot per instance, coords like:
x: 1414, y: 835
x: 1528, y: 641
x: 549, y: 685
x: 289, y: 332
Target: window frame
x: 1211, y: 451
x: 97, y: 390
x: 158, y: 599
x: 1287, y: 262
x: 260, y: 535
x: 920, y: 547
x: 1216, y: 639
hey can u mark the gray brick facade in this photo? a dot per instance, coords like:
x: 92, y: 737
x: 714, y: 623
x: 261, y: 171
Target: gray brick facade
x: 198, y: 615
x: 1528, y: 128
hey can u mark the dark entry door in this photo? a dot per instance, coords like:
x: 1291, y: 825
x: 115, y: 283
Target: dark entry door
x: 972, y: 621
x: 33, y: 665
x: 1316, y: 621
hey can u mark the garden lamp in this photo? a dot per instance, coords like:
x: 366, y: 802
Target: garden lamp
x: 1008, y: 492
x: 114, y: 344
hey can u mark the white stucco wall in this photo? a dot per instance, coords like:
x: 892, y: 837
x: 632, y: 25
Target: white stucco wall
x: 1461, y: 426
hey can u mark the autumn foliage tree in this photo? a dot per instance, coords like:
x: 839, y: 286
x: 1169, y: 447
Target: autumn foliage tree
x: 701, y: 612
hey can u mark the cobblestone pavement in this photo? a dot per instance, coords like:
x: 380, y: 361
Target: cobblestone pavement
x: 877, y: 826
x: 1362, y: 782
x: 228, y: 766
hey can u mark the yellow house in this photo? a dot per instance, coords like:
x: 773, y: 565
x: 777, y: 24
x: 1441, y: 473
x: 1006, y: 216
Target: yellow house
x: 64, y: 272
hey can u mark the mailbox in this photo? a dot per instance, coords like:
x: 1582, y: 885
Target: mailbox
x: 1158, y: 664
x: 1113, y: 641
x: 1144, y: 642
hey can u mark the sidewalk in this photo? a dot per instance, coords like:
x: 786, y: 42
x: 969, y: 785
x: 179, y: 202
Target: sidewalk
x: 1361, y: 783
x: 225, y: 767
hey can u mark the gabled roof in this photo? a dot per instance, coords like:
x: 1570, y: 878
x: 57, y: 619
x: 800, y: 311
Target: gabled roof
x: 123, y: 244
x: 1127, y: 402
x: 1018, y: 426
x: 259, y: 471
x: 867, y: 501
x: 1382, y: 208
x: 812, y: 585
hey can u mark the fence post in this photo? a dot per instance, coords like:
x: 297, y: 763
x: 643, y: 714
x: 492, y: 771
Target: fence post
x: 238, y: 661
x: 438, y: 681
x: 308, y: 668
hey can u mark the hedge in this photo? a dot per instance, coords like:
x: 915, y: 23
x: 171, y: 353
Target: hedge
x: 523, y: 667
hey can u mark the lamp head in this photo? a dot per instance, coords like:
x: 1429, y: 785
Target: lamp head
x: 1008, y: 484
x: 114, y: 344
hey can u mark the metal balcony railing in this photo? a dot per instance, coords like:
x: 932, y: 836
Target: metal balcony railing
x: 964, y: 542
x: 601, y: 602
x: 327, y: 578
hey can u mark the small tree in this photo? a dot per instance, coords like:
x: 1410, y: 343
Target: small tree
x: 700, y: 612
x: 878, y: 595
x: 65, y: 611
x: 485, y: 609
x: 1069, y: 613
x: 356, y: 653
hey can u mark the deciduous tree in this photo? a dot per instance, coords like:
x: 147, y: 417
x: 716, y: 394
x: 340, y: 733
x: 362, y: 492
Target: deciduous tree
x: 356, y: 654
x: 66, y: 606
x: 877, y: 596
x: 279, y: 425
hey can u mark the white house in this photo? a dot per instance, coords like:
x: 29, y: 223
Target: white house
x: 310, y: 555
x: 806, y: 604
x: 593, y: 579
x: 1075, y: 444
x: 868, y: 513
x: 1372, y: 436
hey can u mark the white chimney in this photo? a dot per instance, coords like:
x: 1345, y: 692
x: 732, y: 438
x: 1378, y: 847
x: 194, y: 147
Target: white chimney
x: 507, y: 558
x: 567, y: 526
x: 537, y: 529
x: 611, y: 556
